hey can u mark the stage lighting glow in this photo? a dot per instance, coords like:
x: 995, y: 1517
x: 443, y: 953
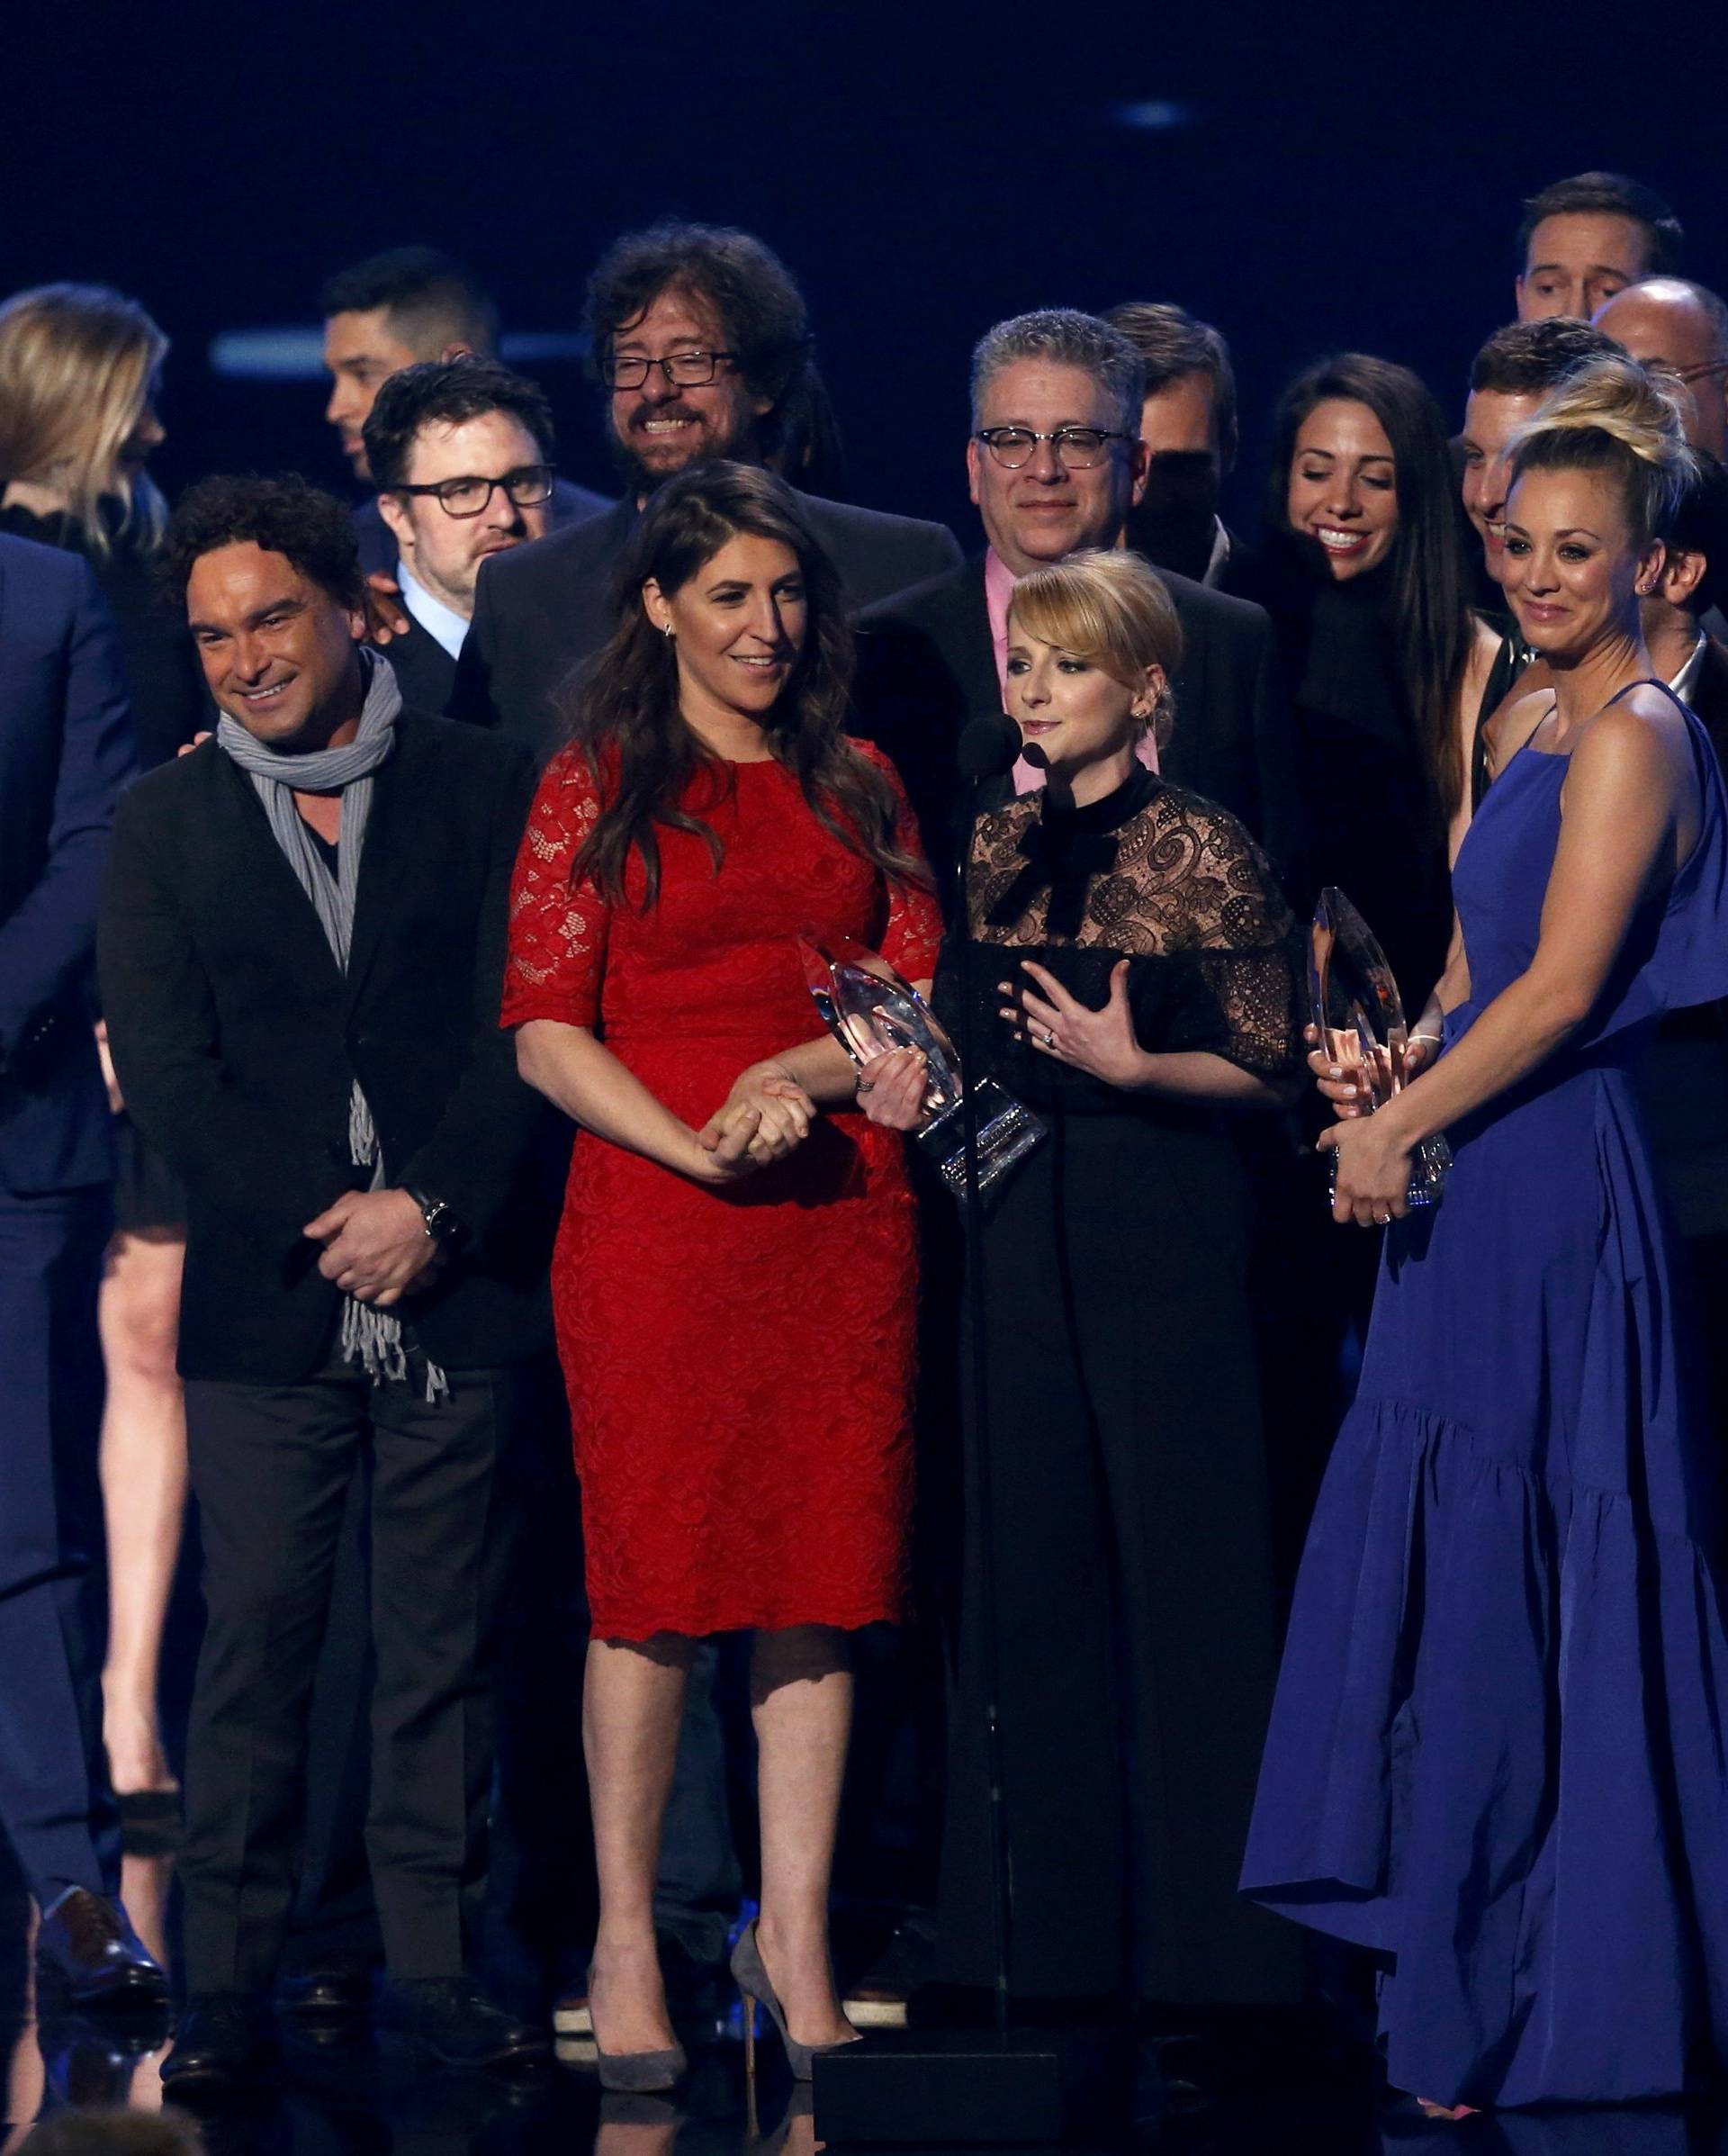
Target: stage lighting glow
x: 296, y: 354
x: 1152, y: 113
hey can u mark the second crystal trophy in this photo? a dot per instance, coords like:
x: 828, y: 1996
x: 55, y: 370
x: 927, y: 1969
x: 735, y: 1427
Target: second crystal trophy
x: 1357, y: 1011
x: 869, y: 1010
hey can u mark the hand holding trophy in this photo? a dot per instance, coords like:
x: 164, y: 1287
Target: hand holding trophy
x: 871, y: 1010
x: 1359, y: 1019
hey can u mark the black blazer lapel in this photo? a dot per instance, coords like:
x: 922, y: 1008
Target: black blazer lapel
x: 386, y: 848
x: 265, y: 876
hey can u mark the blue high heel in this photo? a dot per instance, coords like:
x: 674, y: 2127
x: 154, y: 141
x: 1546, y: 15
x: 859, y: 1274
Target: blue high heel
x: 752, y: 1979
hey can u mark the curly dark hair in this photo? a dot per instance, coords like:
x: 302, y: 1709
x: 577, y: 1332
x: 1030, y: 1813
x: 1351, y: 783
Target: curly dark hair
x: 284, y: 515
x: 446, y: 391
x: 626, y: 713
x: 1527, y: 360
x: 759, y: 309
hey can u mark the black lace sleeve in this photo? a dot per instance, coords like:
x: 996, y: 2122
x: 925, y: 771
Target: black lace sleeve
x: 1232, y: 978
x: 1182, y: 889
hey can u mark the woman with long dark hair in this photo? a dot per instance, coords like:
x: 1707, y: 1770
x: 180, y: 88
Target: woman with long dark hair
x: 735, y: 1279
x: 1364, y: 571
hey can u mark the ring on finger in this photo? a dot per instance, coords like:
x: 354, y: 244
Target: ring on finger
x: 1049, y: 1038
x: 864, y: 1086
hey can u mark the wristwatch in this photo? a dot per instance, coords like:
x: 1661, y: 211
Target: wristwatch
x: 441, y: 1225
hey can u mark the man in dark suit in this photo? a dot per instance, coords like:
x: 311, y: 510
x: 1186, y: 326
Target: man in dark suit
x: 1056, y: 462
x: 460, y: 451
x: 394, y: 310
x: 65, y: 750
x: 702, y: 341
x: 1188, y: 425
x: 302, y: 944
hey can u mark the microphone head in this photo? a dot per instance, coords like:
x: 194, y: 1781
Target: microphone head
x: 988, y: 746
x: 1033, y: 753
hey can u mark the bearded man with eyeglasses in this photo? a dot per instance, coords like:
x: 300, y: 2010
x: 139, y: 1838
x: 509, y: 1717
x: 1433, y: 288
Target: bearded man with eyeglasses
x: 461, y: 450
x: 701, y: 342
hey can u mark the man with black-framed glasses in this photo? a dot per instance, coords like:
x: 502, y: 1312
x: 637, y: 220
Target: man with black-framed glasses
x: 461, y: 450
x: 1056, y: 461
x: 702, y: 346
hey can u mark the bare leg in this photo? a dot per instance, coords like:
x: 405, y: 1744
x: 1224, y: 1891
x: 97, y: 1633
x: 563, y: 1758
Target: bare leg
x: 144, y: 1492
x: 632, y: 1703
x: 801, y: 1701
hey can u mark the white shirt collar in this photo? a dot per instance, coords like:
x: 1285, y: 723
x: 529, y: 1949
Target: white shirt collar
x: 1218, y: 559
x: 1687, y: 680
x: 440, y: 622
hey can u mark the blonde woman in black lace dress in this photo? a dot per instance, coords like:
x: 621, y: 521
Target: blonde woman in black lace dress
x: 1132, y: 981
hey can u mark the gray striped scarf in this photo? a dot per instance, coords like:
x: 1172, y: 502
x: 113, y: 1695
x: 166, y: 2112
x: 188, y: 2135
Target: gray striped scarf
x: 371, y: 1336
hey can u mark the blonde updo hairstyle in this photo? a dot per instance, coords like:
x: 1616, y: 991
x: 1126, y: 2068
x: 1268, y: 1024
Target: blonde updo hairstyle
x: 78, y: 364
x: 1113, y: 609
x: 1614, y: 417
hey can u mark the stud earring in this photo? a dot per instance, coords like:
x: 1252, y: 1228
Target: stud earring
x: 667, y: 630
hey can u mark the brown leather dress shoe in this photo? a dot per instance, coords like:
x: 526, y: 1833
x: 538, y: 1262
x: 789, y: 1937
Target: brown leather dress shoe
x: 86, y: 1944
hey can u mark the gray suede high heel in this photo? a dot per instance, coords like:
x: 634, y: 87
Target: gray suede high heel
x: 752, y: 1979
x: 638, y: 2073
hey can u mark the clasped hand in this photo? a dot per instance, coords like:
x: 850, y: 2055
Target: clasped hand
x: 765, y: 1116
x: 1373, y: 1178
x: 376, y: 1248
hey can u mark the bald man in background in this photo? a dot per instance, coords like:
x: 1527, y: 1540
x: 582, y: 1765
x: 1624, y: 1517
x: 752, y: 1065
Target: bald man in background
x: 1670, y: 322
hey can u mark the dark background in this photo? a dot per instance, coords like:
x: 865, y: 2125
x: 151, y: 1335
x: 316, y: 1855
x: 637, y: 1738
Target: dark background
x: 1343, y: 177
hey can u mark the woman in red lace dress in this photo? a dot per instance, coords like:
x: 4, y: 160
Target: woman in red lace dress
x: 734, y: 1278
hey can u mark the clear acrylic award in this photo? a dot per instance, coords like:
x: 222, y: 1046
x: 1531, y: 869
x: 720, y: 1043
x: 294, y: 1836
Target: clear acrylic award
x: 871, y: 1009
x: 1358, y: 1014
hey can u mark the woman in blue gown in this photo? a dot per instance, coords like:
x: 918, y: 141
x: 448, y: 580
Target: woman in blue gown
x: 1496, y: 1756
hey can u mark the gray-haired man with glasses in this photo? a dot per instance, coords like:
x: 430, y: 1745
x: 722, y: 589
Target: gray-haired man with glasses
x: 461, y: 450
x: 1056, y: 461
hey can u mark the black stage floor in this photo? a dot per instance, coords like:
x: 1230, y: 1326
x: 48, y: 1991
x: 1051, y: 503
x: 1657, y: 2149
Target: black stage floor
x: 1262, y: 2091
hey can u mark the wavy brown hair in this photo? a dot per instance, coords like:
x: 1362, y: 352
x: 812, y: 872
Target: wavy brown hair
x: 626, y: 715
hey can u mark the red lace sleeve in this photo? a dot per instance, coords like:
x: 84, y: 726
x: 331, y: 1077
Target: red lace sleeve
x: 913, y: 935
x: 557, y: 949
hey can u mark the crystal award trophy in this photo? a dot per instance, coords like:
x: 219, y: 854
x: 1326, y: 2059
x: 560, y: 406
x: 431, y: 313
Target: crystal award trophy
x: 869, y: 1010
x: 1355, y: 1004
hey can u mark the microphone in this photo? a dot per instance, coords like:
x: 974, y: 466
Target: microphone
x: 1034, y: 755
x: 989, y: 746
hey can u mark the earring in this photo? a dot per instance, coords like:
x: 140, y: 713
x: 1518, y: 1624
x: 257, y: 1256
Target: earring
x: 667, y: 630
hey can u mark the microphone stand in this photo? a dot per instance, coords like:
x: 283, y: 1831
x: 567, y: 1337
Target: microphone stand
x: 978, y: 1304
x: 1017, y: 2085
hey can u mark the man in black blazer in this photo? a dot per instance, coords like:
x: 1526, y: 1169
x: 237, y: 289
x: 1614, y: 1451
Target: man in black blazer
x: 702, y: 341
x: 461, y: 450
x: 302, y: 942
x: 1056, y: 461
x: 65, y: 750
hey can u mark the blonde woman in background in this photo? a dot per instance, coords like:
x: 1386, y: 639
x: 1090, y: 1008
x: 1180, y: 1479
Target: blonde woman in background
x: 80, y: 371
x: 1496, y: 1756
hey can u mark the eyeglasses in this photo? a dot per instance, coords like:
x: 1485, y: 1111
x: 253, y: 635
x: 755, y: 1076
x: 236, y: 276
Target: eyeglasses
x: 682, y: 370
x: 1076, y: 448
x: 527, y: 487
x: 1704, y: 367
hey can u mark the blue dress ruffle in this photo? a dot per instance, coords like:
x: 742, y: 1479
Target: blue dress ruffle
x: 1497, y: 1756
